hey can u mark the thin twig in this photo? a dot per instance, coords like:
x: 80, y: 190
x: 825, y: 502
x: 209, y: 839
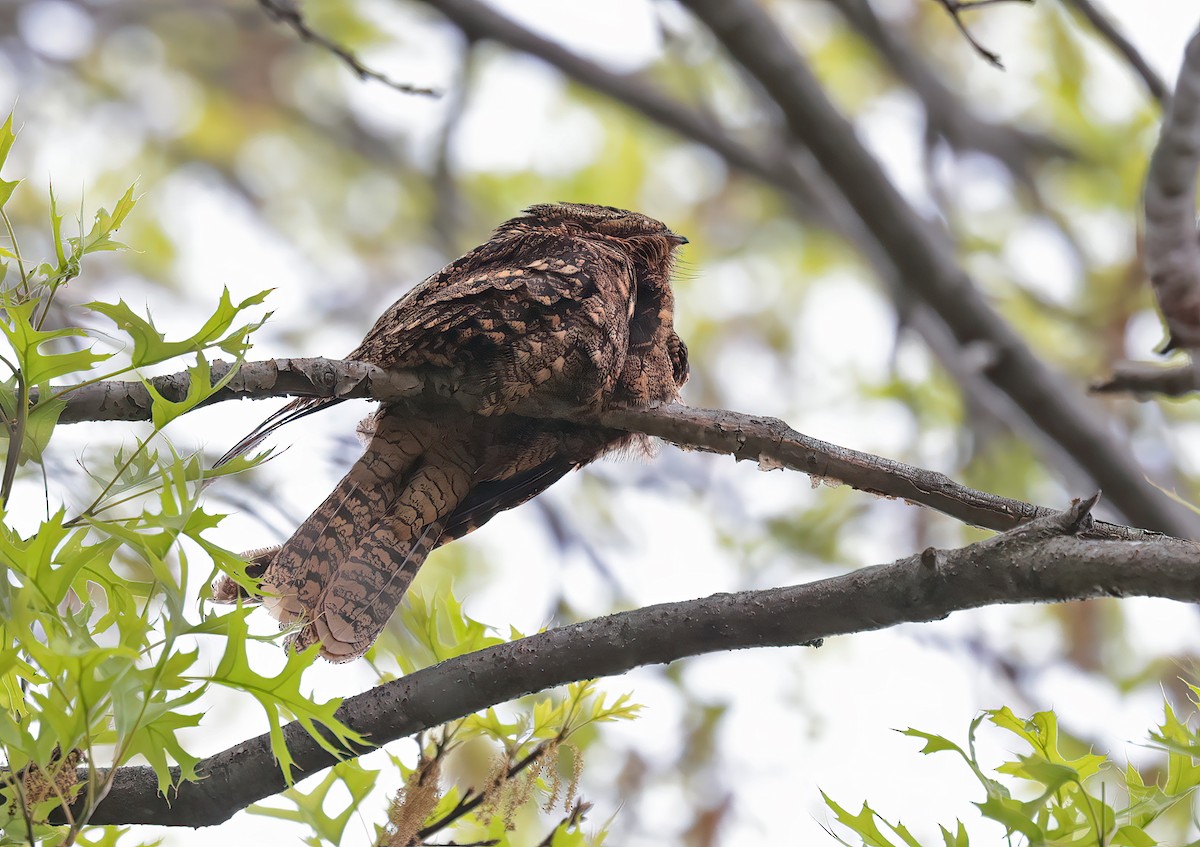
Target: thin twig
x: 288, y: 12
x: 949, y: 116
x: 470, y: 804
x: 574, y: 818
x: 956, y: 7
x: 16, y: 441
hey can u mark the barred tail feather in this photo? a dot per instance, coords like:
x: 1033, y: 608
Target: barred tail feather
x: 348, y: 565
x: 369, y: 584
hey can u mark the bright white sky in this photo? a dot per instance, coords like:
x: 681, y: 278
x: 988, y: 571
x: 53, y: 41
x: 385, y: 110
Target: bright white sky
x: 801, y: 719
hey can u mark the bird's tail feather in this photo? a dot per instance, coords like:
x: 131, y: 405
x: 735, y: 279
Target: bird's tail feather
x: 344, y: 571
x: 292, y: 411
x: 370, y: 582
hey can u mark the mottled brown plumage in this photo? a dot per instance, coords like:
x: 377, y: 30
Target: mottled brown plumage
x: 569, y: 305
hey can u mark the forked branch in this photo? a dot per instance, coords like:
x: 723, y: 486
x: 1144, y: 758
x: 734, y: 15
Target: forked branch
x: 768, y: 441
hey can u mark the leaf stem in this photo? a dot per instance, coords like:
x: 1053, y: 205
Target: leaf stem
x: 12, y: 237
x: 15, y: 441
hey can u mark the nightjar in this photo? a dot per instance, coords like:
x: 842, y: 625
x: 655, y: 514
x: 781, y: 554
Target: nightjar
x: 568, y: 305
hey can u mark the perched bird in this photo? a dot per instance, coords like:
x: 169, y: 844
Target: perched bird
x: 568, y: 305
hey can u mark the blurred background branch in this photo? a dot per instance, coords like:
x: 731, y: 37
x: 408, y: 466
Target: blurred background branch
x: 1111, y: 33
x: 288, y: 13
x: 1172, y: 252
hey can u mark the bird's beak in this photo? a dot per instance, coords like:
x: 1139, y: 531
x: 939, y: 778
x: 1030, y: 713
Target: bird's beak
x: 679, y: 239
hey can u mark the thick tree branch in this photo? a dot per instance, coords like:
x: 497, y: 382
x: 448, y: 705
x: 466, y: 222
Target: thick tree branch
x: 1172, y: 253
x: 768, y: 441
x: 1042, y: 561
x: 317, y: 377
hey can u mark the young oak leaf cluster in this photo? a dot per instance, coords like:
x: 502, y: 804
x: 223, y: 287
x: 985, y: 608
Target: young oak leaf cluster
x: 476, y: 780
x: 100, y: 639
x: 1086, y: 800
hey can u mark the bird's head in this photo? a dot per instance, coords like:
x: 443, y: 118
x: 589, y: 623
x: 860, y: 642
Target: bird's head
x: 591, y: 219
